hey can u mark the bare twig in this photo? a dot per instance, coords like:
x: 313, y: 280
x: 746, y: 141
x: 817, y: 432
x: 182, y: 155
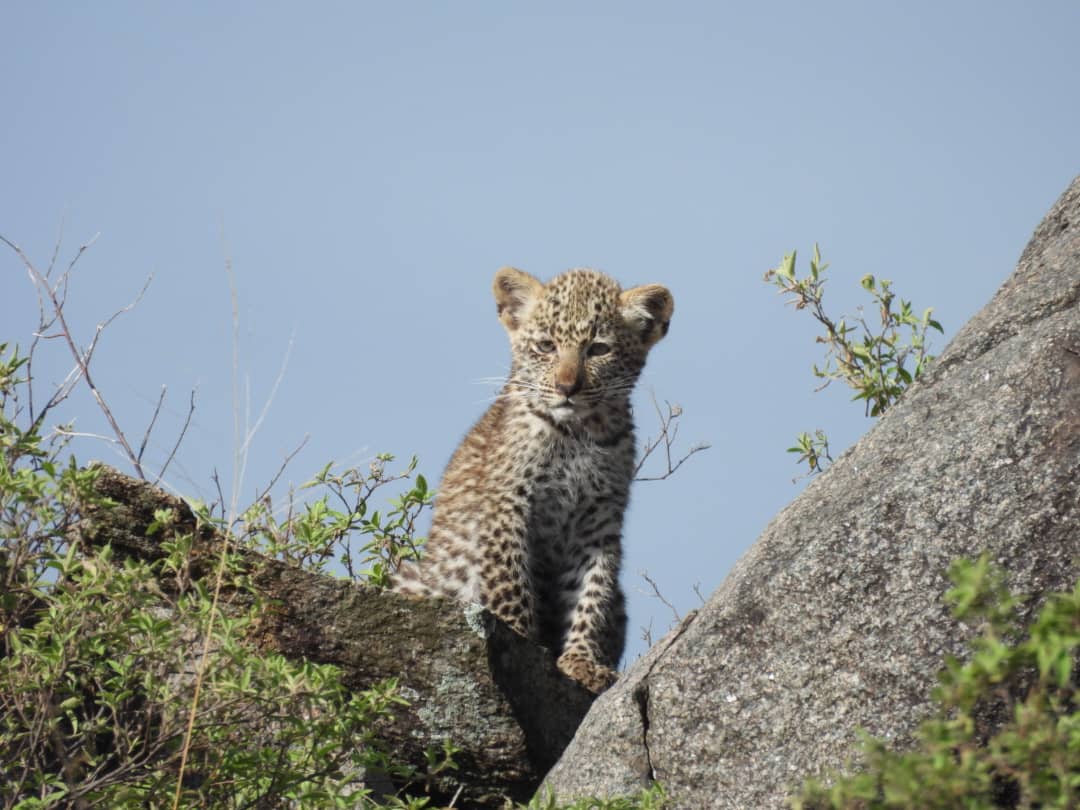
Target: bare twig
x: 657, y: 595
x: 179, y: 438
x: 82, y: 358
x: 226, y: 540
x: 56, y: 248
x: 61, y: 430
x: 203, y: 658
x: 253, y: 429
x: 669, y: 432
x: 216, y: 478
x: 102, y: 326
x: 44, y: 324
x: 62, y: 392
x: 281, y: 469
x: 241, y: 452
x: 646, y: 633
x: 153, y: 420
x: 457, y: 795
x: 234, y: 301
x: 697, y: 590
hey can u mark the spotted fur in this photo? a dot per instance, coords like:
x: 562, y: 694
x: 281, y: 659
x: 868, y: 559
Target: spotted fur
x: 528, y: 519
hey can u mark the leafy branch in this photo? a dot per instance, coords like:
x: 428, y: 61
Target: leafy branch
x: 879, y: 358
x: 312, y: 534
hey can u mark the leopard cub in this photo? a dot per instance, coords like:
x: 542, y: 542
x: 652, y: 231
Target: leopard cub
x: 528, y: 518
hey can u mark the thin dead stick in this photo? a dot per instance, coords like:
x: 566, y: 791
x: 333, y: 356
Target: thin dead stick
x: 234, y: 301
x: 104, y: 324
x: 241, y: 453
x: 281, y: 469
x: 65, y: 276
x: 657, y: 595
x: 669, y: 432
x: 153, y: 421
x: 56, y: 248
x: 82, y: 359
x: 226, y: 536
x: 220, y: 495
x: 78, y: 434
x: 63, y: 391
x: 273, y: 393
x: 43, y: 325
x: 646, y: 633
x: 203, y: 658
x: 179, y: 439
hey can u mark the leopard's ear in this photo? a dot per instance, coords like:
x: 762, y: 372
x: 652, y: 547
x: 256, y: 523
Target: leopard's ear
x: 515, y: 293
x: 648, y: 310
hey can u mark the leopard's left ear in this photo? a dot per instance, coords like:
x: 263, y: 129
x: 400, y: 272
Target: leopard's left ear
x: 648, y: 309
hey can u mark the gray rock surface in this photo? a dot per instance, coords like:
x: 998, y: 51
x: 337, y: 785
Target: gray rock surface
x: 833, y: 620
x: 468, y: 678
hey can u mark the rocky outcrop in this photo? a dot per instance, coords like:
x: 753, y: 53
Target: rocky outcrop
x: 834, y: 621
x: 467, y: 677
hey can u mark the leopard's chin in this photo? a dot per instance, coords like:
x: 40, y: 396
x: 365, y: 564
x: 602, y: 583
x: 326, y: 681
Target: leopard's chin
x: 566, y: 410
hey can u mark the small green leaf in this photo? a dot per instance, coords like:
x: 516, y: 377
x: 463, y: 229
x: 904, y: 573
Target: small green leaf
x: 787, y: 266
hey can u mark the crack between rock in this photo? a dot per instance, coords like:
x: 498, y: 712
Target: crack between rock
x: 641, y: 697
x: 641, y: 693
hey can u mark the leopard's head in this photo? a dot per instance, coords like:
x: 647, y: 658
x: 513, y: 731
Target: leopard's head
x: 579, y: 341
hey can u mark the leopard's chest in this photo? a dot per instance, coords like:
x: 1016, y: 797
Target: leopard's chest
x: 573, y: 490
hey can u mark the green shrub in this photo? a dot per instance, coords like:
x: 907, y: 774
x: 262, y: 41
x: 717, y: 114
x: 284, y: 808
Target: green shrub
x: 877, y: 357
x: 338, y: 526
x: 98, y: 659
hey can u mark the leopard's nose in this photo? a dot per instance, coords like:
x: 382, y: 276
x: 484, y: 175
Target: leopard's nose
x: 568, y: 389
x: 569, y: 376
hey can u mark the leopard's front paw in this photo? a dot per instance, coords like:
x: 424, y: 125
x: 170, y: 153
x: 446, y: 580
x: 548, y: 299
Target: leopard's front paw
x: 593, y: 676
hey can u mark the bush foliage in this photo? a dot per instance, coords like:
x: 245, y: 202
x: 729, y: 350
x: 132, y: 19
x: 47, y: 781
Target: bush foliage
x: 98, y: 660
x: 877, y: 357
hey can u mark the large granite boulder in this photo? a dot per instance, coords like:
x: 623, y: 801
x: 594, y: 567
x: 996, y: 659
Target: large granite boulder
x: 834, y: 620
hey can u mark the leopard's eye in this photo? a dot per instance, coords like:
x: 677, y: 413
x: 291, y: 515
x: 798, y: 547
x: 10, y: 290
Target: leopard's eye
x: 598, y: 349
x: 544, y: 346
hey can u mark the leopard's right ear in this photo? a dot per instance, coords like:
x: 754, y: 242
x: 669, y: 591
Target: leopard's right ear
x: 515, y: 293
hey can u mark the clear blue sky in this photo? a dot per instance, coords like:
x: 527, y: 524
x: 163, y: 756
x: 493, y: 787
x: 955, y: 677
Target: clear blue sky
x: 372, y: 164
